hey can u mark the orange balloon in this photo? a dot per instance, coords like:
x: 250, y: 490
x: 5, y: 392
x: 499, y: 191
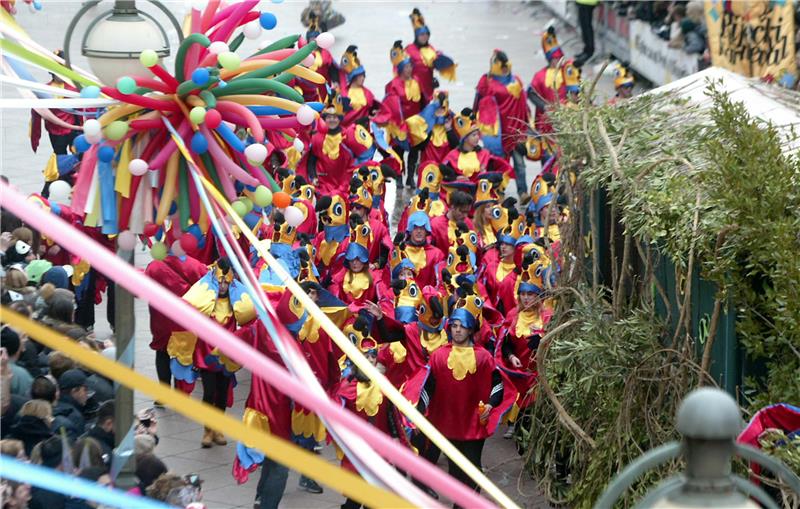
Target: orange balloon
x: 281, y: 200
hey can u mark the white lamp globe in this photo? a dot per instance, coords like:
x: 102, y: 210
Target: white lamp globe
x: 113, y: 44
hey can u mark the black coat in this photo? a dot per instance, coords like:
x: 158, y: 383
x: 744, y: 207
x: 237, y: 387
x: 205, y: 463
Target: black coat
x: 68, y: 414
x: 31, y: 430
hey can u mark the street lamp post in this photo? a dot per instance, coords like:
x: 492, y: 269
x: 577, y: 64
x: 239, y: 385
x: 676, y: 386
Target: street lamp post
x: 709, y: 422
x: 112, y: 44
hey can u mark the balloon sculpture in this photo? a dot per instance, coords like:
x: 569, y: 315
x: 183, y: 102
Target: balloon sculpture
x: 223, y: 106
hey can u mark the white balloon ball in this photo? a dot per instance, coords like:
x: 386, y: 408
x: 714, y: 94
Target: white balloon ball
x: 60, y: 192
x: 256, y: 153
x: 252, y: 30
x: 126, y: 240
x: 138, y: 167
x: 95, y: 139
x: 309, y: 60
x: 293, y: 216
x: 325, y: 40
x: 92, y: 127
x: 306, y: 114
x: 218, y: 47
x: 298, y: 144
x: 199, y: 4
x: 263, y: 44
x: 176, y: 248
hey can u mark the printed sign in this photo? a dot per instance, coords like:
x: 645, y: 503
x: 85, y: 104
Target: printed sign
x: 753, y: 37
x: 654, y: 60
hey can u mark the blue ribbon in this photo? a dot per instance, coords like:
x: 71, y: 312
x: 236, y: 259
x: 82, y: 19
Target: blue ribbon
x: 72, y: 486
x: 108, y: 198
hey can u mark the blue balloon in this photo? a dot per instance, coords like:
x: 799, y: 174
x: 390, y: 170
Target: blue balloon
x: 315, y: 105
x: 80, y: 144
x: 106, y: 153
x: 37, y: 5
x: 268, y: 20
x: 90, y: 92
x: 277, y: 1
x: 199, y: 143
x: 200, y: 76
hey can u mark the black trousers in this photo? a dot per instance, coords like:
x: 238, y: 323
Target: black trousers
x: 61, y: 142
x: 587, y: 30
x: 472, y: 449
x: 215, y: 388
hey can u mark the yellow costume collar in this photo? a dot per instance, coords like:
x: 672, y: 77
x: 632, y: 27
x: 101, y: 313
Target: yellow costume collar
x: 462, y: 362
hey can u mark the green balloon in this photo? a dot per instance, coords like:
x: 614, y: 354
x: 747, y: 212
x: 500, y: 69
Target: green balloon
x: 158, y: 251
x: 229, y: 60
x: 126, y: 85
x: 248, y: 203
x: 262, y: 197
x: 148, y: 58
x: 116, y: 130
x: 197, y: 115
x: 239, y: 207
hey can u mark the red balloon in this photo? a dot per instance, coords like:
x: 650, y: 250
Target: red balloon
x: 281, y: 200
x: 188, y: 243
x: 150, y: 229
x: 213, y: 119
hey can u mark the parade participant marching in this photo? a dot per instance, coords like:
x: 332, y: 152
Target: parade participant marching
x: 547, y: 85
x: 177, y: 274
x: 623, y: 83
x: 328, y: 161
x: 359, y: 101
x: 414, y: 246
x: 443, y: 228
x: 470, y: 159
x: 461, y: 391
x: 407, y: 89
x: 502, y: 114
x: 323, y: 64
x: 360, y: 200
x: 357, y: 283
x: 424, y: 58
x: 432, y: 129
x: 221, y: 297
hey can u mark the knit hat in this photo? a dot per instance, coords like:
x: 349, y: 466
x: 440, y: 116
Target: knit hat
x: 57, y: 276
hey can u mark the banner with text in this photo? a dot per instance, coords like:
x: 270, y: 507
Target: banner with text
x: 753, y: 37
x: 653, y: 59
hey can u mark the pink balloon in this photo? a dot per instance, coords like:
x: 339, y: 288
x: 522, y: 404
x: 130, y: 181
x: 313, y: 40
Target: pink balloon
x: 309, y: 60
x: 325, y: 40
x: 138, y: 167
x: 126, y: 240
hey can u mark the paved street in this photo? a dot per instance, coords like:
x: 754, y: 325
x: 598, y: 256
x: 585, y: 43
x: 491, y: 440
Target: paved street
x: 466, y: 31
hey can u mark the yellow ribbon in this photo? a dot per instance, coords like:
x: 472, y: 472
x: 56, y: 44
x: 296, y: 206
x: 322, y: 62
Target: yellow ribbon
x: 276, y: 448
x: 352, y: 352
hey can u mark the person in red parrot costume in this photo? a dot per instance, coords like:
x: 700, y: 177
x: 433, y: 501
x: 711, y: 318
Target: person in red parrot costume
x: 414, y: 246
x: 356, y: 284
x: 177, y: 274
x: 358, y: 100
x: 470, y: 159
x: 331, y: 243
x: 461, y: 391
x: 219, y: 296
x: 323, y: 64
x: 269, y: 410
x: 432, y: 129
x: 61, y: 136
x: 499, y: 262
x: 428, y: 197
x: 548, y: 84
x: 361, y: 207
x: 502, y: 114
x: 444, y: 228
x: 407, y: 89
x: 328, y: 161
x: 522, y: 330
x: 623, y: 83
x: 425, y: 58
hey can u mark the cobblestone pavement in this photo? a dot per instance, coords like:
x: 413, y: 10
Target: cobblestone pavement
x: 467, y: 31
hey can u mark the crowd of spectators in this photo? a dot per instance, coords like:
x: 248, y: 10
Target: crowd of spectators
x: 56, y: 413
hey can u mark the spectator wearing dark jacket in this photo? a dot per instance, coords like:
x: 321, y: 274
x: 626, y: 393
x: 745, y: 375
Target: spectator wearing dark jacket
x: 103, y: 429
x: 33, y: 425
x: 68, y: 412
x: 50, y: 454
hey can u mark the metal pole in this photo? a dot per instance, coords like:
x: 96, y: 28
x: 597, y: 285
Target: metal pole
x: 124, y: 330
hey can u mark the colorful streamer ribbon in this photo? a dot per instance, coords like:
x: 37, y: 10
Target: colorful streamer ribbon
x: 72, y: 486
x: 180, y: 312
x: 281, y: 450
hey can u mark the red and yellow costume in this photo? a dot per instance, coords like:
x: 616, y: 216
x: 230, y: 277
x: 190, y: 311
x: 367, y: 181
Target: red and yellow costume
x: 358, y: 99
x: 425, y: 58
x: 407, y: 89
x: 502, y: 107
x: 471, y: 163
x: 548, y: 83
